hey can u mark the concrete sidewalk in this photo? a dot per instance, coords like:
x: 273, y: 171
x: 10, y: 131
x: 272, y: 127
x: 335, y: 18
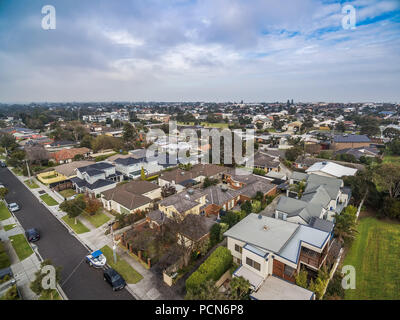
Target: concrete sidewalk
x: 150, y: 287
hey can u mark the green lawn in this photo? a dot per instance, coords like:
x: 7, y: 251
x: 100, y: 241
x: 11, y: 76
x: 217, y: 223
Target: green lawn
x: 48, y: 200
x: 67, y: 193
x: 9, y: 227
x: 391, y: 159
x: 375, y: 255
x: 78, y: 228
x: 32, y: 185
x: 4, y: 213
x: 4, y: 259
x: 96, y: 220
x: 21, y: 246
x: 17, y: 171
x: 122, y: 267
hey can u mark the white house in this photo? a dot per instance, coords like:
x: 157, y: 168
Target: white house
x: 265, y: 247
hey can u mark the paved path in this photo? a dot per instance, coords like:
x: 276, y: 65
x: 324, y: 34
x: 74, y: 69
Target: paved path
x: 79, y: 281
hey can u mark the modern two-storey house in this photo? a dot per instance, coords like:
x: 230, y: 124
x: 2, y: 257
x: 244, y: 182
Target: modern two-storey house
x: 270, y: 252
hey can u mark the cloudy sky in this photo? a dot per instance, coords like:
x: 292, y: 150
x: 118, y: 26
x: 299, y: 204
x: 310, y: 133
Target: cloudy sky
x: 199, y: 50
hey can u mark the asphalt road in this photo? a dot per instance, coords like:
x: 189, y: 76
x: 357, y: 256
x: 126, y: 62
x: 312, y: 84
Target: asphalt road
x: 79, y: 281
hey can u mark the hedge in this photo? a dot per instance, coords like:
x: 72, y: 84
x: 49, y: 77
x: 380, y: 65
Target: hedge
x: 213, y: 268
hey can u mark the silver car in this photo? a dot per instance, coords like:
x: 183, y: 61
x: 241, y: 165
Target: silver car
x: 13, y: 207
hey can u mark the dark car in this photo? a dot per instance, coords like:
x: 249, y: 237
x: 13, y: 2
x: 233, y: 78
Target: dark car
x: 3, y: 164
x: 32, y: 235
x: 114, y: 279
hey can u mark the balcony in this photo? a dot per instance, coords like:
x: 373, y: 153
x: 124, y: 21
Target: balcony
x: 312, y: 258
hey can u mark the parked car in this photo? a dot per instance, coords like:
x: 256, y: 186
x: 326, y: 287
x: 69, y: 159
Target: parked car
x: 114, y: 279
x: 96, y: 259
x: 32, y: 235
x: 2, y: 185
x: 3, y: 164
x: 13, y: 207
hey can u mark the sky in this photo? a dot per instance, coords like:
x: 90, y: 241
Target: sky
x: 200, y: 50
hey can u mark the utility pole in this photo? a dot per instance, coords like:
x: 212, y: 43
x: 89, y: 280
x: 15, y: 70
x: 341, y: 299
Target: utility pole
x: 29, y: 172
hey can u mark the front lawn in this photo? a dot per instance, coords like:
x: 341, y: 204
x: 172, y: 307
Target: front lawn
x: 67, y: 193
x: 78, y: 227
x: 9, y: 227
x: 32, y: 185
x: 122, y: 267
x: 96, y: 220
x: 375, y: 255
x: 4, y: 259
x: 4, y: 213
x: 21, y: 246
x: 48, y: 200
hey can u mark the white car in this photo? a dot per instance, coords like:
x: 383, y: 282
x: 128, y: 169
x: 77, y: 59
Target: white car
x: 13, y: 207
x: 96, y: 259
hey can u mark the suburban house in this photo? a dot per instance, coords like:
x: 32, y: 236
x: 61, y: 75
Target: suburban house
x: 271, y: 252
x: 67, y: 155
x: 370, y: 152
x: 187, y: 202
x: 331, y: 169
x: 130, y: 197
x: 350, y: 141
x: 96, y: 178
x: 181, y: 179
x: 220, y: 198
x: 322, y: 198
x: 186, y: 208
x: 248, y: 183
x: 265, y: 162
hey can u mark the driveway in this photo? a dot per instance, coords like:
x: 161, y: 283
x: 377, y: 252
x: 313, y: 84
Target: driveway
x: 270, y: 209
x: 79, y: 281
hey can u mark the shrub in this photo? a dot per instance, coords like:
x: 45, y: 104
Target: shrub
x: 211, y: 269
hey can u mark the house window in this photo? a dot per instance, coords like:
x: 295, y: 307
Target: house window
x: 238, y: 248
x: 253, y: 264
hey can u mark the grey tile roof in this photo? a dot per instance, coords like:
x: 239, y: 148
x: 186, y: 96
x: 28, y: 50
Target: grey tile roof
x: 321, y: 224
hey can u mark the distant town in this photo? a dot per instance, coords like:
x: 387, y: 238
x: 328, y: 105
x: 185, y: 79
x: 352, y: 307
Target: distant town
x: 324, y: 178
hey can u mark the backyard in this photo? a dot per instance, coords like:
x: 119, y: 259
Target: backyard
x: 21, y: 246
x: 375, y: 255
x: 4, y: 213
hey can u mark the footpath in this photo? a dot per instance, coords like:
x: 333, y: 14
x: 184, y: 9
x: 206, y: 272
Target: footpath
x: 150, y: 287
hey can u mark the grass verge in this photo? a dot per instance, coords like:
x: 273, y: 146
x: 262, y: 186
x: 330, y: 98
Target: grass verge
x: 48, y: 200
x: 122, y: 267
x: 4, y: 213
x: 8, y: 227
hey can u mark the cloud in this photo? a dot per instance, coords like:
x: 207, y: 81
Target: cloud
x: 200, y: 50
